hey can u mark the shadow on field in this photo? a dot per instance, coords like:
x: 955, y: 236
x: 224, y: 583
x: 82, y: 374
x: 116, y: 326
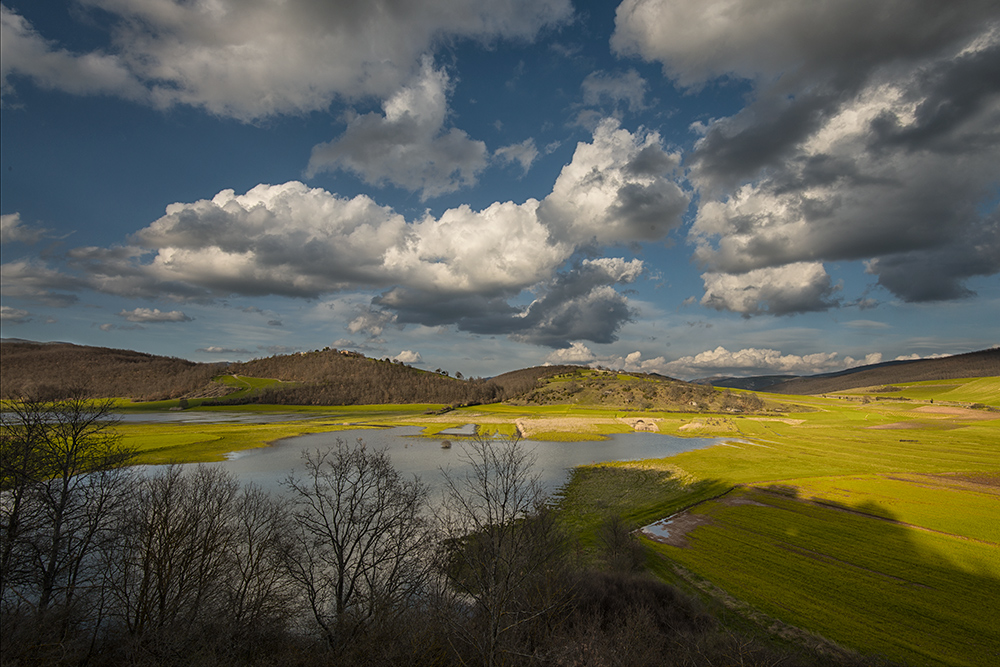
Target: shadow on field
x: 852, y: 573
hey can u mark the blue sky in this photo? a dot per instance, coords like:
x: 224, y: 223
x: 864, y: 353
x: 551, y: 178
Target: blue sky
x: 693, y: 189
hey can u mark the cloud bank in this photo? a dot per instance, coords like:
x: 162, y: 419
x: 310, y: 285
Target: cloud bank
x: 462, y: 268
x: 254, y: 60
x: 870, y: 136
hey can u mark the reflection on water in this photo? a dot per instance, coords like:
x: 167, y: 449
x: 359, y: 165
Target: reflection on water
x: 659, y: 529
x: 424, y: 457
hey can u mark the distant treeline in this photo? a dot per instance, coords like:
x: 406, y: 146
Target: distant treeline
x: 321, y: 377
x: 53, y: 370
x: 332, y: 377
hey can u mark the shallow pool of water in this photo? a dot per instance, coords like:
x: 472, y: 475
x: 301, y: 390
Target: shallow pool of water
x: 424, y: 457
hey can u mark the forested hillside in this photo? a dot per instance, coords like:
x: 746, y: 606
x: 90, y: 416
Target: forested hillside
x: 321, y: 377
x: 51, y: 370
x: 334, y: 377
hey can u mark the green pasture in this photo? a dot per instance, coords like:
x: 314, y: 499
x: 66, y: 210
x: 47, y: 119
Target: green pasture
x: 927, y: 501
x: 875, y: 523
x: 961, y: 391
x: 884, y: 536
x: 245, y: 385
x: 871, y: 584
x: 191, y: 443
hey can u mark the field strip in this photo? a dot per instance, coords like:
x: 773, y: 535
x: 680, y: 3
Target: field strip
x: 837, y: 506
x: 771, y: 624
x: 682, y: 521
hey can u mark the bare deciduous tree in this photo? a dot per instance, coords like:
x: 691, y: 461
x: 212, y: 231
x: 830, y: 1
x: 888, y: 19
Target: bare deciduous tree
x: 361, y: 537
x: 63, y: 465
x: 503, y: 551
x: 173, y: 554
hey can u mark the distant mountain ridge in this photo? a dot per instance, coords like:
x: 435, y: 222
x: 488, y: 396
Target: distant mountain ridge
x: 984, y: 363
x: 338, y: 377
x: 320, y: 377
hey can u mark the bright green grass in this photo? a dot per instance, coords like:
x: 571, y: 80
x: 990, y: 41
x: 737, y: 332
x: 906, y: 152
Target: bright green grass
x: 913, y: 588
x: 876, y: 585
x: 245, y: 385
x: 927, y: 501
x: 638, y: 492
x: 190, y: 443
x: 562, y: 436
x: 873, y: 585
x: 967, y: 390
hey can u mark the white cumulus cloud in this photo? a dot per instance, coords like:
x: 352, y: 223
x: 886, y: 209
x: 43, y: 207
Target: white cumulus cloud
x: 408, y: 357
x: 252, y: 60
x: 761, y: 361
x: 408, y: 144
x: 794, y: 288
x: 12, y: 228
x: 154, y: 315
x: 577, y: 353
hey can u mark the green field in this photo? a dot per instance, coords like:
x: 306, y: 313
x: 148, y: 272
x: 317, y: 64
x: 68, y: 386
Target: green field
x: 874, y: 524
x: 870, y: 584
x: 968, y: 390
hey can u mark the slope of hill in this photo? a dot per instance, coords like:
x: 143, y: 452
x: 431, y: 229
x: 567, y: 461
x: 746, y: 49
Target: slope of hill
x: 335, y: 377
x: 585, y: 387
x: 50, y: 370
x: 985, y: 363
x: 753, y: 383
x: 321, y: 377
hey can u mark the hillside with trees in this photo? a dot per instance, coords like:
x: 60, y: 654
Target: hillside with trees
x: 340, y: 377
x: 335, y: 377
x: 56, y: 370
x: 320, y: 377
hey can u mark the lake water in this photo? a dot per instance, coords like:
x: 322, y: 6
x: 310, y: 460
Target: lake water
x: 424, y: 457
x: 215, y: 417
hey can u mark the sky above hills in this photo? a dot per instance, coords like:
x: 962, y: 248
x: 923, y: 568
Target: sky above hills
x: 720, y: 187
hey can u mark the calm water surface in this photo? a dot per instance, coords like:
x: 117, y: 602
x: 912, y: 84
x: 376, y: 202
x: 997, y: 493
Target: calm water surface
x: 424, y: 457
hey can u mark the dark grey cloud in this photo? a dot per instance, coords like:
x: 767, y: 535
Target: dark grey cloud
x: 871, y: 133
x: 579, y: 304
x: 647, y: 209
x: 36, y: 282
x: 652, y: 160
x: 794, y: 43
x: 937, y: 274
x: 762, y: 135
x: 949, y: 96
